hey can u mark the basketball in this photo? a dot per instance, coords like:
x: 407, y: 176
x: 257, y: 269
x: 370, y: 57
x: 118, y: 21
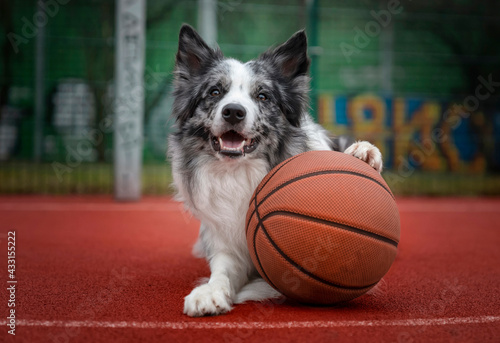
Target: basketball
x: 323, y: 227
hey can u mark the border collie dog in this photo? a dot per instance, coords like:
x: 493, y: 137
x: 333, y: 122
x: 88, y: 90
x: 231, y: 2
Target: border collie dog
x: 234, y: 122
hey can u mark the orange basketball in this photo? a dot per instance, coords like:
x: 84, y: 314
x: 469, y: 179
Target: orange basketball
x: 323, y: 227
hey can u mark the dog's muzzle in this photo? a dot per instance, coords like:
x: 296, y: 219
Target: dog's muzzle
x: 233, y: 144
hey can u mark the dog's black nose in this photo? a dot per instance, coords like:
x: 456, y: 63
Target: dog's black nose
x: 233, y: 113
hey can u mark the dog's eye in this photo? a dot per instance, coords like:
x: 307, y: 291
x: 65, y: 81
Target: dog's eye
x: 215, y: 92
x: 262, y: 97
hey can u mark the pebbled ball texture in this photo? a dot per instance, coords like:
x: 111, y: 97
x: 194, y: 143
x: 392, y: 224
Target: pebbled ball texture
x: 323, y: 227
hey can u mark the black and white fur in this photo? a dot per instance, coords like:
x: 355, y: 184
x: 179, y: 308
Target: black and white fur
x: 234, y: 122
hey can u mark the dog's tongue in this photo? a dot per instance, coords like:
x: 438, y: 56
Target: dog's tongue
x: 231, y: 140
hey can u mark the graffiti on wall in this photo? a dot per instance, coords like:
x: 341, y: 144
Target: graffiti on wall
x: 430, y: 135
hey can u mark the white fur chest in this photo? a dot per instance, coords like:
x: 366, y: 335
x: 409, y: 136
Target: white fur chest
x: 220, y: 197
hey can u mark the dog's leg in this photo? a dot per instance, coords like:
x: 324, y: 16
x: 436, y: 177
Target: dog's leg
x: 367, y: 152
x: 256, y: 290
x: 217, y: 296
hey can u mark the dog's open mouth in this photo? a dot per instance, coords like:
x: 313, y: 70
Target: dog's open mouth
x: 233, y: 144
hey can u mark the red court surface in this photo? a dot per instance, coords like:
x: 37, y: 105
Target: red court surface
x: 90, y: 270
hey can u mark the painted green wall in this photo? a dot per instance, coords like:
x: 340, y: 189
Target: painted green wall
x: 421, y: 63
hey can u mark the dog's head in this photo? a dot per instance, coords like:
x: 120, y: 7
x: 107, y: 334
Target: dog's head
x: 231, y: 109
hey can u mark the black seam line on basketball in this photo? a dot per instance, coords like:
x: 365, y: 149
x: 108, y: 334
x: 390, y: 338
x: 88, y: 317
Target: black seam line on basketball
x: 334, y: 224
x: 323, y: 172
x: 255, y: 247
x: 258, y: 259
x: 305, y: 271
x: 277, y: 170
x: 270, y: 177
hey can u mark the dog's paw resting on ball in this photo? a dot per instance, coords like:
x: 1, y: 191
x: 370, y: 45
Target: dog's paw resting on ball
x: 368, y: 153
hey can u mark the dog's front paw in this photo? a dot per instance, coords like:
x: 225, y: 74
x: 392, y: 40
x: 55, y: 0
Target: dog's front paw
x: 207, y: 299
x: 366, y: 152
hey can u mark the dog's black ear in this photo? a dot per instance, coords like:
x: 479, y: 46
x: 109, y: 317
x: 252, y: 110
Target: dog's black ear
x: 193, y: 56
x: 291, y: 56
x: 292, y: 65
x: 193, y: 53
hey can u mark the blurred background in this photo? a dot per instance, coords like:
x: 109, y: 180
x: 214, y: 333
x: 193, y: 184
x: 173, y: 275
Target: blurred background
x: 419, y: 79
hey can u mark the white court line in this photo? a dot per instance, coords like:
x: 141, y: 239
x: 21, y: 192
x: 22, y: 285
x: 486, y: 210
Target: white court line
x: 258, y: 325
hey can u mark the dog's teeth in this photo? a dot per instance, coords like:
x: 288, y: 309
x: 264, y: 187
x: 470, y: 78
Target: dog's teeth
x: 241, y: 147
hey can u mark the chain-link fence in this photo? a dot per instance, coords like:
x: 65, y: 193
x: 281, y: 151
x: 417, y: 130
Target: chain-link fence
x: 421, y: 80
